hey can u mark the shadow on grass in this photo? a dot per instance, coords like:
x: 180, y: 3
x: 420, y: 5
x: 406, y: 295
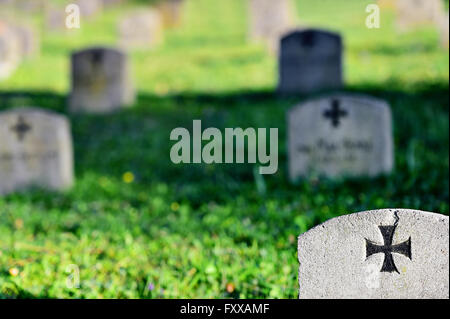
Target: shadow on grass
x: 10, y: 290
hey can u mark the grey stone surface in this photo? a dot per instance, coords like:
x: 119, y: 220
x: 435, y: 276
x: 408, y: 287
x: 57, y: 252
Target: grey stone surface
x: 310, y: 60
x: 35, y: 150
x: 413, y: 13
x: 141, y: 29
x: 269, y: 20
x: 101, y: 81
x: 340, y: 135
x: 348, y: 257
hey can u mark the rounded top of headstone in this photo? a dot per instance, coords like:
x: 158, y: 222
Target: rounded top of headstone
x: 34, y: 111
x: 348, y: 98
x: 98, y: 51
x: 311, y: 37
x: 380, y: 217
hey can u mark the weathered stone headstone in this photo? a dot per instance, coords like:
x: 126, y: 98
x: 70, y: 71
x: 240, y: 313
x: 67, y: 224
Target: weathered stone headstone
x: 9, y: 50
x: 141, y: 29
x: 388, y: 253
x: 413, y: 13
x: 269, y: 20
x: 101, y: 81
x: 310, y: 60
x: 171, y: 11
x: 35, y: 150
x: 340, y: 135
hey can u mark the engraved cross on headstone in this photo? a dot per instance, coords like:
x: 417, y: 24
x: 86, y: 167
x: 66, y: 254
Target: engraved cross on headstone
x: 335, y: 113
x: 387, y: 248
x: 21, y: 128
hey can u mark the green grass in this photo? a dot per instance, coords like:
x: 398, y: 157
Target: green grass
x: 191, y: 230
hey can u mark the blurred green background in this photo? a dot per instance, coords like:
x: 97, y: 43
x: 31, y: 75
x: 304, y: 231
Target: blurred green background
x: 138, y: 226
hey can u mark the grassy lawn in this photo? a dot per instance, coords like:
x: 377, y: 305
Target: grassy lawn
x: 138, y: 226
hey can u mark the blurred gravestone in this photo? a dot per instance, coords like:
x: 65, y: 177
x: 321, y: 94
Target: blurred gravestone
x: 310, y: 60
x: 28, y: 39
x: 269, y: 20
x: 35, y: 150
x: 413, y: 13
x: 55, y: 18
x: 89, y: 8
x: 340, y: 135
x: 101, y: 81
x: 171, y: 11
x: 141, y: 29
x: 9, y: 50
x: 388, y: 253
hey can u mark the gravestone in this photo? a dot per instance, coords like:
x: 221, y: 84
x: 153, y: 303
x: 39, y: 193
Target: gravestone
x: 28, y: 40
x: 89, y: 8
x: 55, y: 18
x: 9, y: 50
x: 171, y: 11
x: 414, y: 13
x: 101, y: 81
x: 310, y: 60
x: 269, y: 20
x: 141, y: 29
x: 35, y: 150
x: 388, y: 254
x: 340, y: 135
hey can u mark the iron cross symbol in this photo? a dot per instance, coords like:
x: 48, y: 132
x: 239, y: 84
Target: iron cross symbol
x: 387, y: 248
x: 335, y: 113
x: 21, y: 128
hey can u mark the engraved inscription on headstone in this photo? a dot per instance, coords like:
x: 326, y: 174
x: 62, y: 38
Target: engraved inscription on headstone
x: 335, y: 113
x: 388, y: 248
x: 340, y: 135
x: 21, y: 128
x: 388, y: 253
x: 310, y: 60
x: 35, y: 150
x: 101, y: 81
